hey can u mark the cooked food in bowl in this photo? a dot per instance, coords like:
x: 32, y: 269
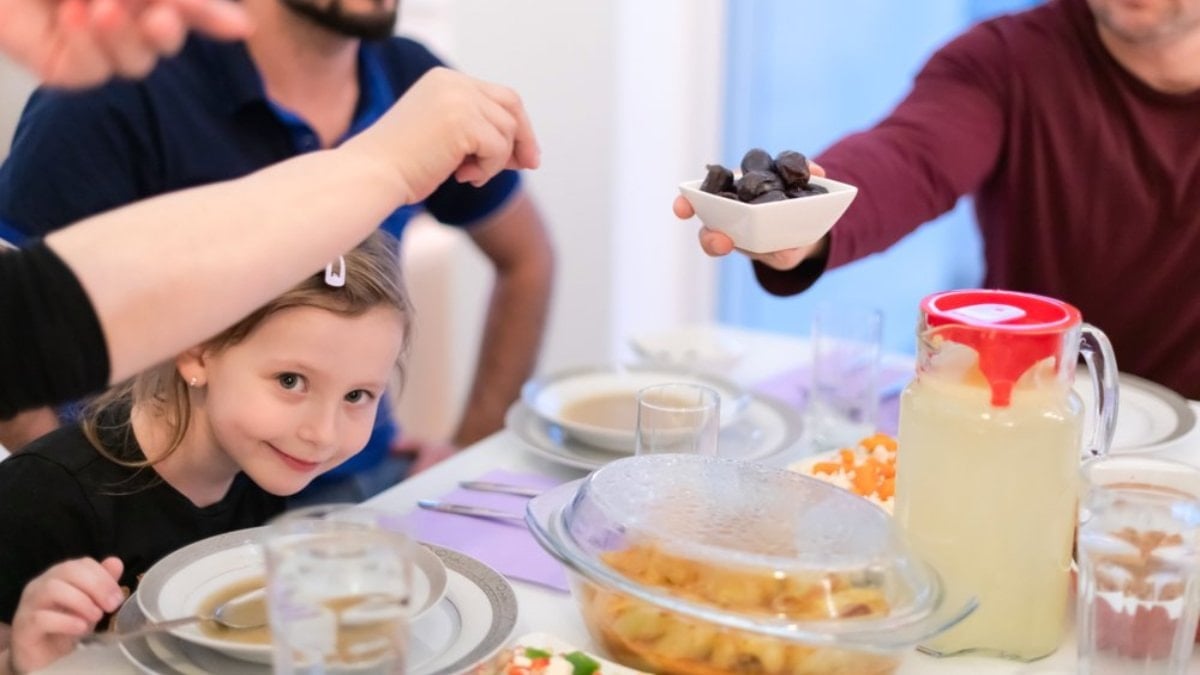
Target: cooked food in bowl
x: 694, y: 564
x: 640, y: 634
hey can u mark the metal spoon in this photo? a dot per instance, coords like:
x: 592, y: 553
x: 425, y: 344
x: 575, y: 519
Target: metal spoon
x: 241, y: 612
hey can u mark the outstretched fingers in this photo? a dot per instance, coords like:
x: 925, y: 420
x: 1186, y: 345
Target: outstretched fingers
x: 525, y: 153
x: 71, y: 56
x: 120, y: 38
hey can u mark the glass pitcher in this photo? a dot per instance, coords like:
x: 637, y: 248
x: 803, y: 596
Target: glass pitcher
x: 987, y: 473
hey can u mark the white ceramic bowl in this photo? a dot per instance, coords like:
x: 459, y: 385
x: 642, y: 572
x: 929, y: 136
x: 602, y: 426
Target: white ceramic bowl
x: 179, y: 584
x: 774, y: 226
x: 698, y: 346
x: 549, y: 396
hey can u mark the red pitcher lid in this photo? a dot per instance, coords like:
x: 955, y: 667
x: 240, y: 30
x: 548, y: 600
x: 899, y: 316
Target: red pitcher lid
x: 1010, y: 331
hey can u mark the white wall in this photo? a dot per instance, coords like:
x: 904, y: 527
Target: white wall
x: 15, y: 86
x: 625, y: 97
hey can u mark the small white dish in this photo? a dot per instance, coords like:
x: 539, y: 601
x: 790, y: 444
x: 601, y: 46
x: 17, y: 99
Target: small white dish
x: 774, y: 226
x: 179, y: 584
x: 553, y: 395
x: 704, y: 347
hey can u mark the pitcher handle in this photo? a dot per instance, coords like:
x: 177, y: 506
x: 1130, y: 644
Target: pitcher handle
x: 1098, y: 354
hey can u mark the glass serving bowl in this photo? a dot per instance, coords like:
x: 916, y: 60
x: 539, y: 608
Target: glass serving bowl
x: 692, y: 564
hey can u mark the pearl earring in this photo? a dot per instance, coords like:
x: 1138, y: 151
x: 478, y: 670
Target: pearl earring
x: 194, y: 381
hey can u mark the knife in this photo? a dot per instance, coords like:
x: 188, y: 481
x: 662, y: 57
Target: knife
x: 503, y: 488
x: 468, y: 510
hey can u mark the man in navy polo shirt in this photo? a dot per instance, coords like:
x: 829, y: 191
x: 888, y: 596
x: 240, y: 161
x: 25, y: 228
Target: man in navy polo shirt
x: 313, y: 73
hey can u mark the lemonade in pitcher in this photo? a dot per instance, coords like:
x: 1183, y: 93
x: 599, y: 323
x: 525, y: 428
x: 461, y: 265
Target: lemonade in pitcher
x: 987, y: 473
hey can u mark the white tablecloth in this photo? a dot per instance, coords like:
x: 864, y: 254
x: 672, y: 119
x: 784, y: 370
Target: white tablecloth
x: 549, y: 611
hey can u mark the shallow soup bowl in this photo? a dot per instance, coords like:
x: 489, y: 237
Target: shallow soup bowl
x: 598, y: 406
x: 189, y: 580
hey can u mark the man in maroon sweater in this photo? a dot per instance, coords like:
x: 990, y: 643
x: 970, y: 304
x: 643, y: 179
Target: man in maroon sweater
x: 1076, y: 128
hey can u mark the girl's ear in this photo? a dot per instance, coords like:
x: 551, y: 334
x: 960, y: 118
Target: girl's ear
x: 192, y: 367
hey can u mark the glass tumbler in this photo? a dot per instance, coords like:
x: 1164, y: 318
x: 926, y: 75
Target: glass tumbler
x: 1139, y: 566
x: 843, y: 397
x: 338, y: 585
x: 678, y: 417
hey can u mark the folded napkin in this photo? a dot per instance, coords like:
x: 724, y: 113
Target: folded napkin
x: 506, y: 547
x: 792, y: 387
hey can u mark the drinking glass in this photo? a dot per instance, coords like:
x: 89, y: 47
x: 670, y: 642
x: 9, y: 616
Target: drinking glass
x: 338, y: 584
x: 678, y: 417
x: 843, y: 397
x: 1139, y: 566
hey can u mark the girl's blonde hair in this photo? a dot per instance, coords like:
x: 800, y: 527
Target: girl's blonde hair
x: 372, y: 279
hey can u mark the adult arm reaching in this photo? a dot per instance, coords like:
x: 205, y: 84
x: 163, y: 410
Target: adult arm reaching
x: 157, y: 289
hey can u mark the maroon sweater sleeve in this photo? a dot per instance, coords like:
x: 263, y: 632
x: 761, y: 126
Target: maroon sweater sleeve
x: 940, y: 143
x: 52, y: 349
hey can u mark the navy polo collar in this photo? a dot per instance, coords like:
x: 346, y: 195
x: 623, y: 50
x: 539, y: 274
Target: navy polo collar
x: 239, y: 83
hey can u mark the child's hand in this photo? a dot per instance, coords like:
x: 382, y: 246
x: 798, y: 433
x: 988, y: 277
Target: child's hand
x: 59, y: 607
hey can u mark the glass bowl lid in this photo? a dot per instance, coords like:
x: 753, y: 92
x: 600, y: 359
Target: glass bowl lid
x: 745, y: 546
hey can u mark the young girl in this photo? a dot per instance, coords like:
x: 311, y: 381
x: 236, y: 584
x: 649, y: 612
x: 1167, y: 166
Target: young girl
x: 209, y: 443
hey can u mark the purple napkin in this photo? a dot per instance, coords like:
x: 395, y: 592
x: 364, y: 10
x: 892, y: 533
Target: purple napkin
x: 506, y: 547
x: 792, y: 388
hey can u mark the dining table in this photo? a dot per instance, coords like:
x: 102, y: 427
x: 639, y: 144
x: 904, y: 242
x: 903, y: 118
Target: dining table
x: 762, y: 355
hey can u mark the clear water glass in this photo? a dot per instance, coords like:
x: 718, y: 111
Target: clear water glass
x: 338, y: 586
x: 843, y: 396
x: 678, y: 418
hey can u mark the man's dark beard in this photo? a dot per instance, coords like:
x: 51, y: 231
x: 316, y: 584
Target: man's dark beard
x: 376, y: 26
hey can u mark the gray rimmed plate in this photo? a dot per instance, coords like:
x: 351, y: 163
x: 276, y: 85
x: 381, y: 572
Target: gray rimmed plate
x: 1150, y: 417
x: 766, y: 428
x: 182, y: 582
x: 467, y: 626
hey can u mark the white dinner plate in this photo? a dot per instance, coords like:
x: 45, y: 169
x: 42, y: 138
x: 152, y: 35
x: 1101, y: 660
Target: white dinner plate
x: 1150, y: 417
x: 551, y: 395
x: 467, y: 627
x: 179, y: 584
x: 766, y: 428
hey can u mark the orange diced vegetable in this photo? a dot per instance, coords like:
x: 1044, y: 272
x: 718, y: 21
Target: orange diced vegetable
x: 828, y: 468
x: 847, y: 456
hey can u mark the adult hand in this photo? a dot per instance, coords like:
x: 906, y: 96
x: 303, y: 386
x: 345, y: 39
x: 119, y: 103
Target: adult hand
x: 79, y: 43
x: 447, y: 124
x: 718, y: 244
x: 61, y: 606
x: 427, y: 453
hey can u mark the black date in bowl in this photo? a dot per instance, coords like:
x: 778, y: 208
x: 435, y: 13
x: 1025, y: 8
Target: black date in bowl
x: 773, y: 225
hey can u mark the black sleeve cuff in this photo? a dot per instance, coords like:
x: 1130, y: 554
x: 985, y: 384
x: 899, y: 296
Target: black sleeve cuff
x: 52, y: 349
x: 793, y: 281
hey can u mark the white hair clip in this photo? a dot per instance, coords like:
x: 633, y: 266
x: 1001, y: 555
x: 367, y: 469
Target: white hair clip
x: 337, y: 279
